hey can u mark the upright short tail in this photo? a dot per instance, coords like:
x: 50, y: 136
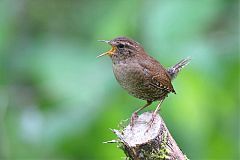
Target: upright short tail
x: 174, y: 70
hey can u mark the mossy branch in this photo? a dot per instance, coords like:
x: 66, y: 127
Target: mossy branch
x: 154, y: 144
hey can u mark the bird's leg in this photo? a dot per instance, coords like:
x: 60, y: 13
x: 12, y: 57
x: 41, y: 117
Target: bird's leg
x: 135, y: 114
x: 154, y: 114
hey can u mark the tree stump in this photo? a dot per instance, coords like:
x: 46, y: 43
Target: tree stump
x: 143, y: 143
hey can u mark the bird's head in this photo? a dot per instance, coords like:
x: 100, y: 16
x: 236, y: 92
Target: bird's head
x: 122, y: 48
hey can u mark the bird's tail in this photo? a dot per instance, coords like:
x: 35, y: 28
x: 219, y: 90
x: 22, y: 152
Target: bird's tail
x: 174, y: 70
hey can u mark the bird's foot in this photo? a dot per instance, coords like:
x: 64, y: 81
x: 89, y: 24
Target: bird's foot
x: 150, y: 123
x: 133, y: 119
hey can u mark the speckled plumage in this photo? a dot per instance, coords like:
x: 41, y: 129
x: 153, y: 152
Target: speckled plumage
x: 140, y: 74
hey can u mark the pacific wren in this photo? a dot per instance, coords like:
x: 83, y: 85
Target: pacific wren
x: 140, y: 74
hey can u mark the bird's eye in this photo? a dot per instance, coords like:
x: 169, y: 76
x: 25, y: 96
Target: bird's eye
x: 120, y: 46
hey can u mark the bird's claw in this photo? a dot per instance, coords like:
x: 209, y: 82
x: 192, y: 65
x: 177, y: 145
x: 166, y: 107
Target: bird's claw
x: 150, y: 123
x: 133, y: 119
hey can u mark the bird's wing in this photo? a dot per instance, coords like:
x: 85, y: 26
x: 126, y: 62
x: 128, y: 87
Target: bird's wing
x: 158, y: 76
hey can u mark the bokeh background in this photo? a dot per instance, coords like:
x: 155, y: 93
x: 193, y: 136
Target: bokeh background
x: 57, y: 101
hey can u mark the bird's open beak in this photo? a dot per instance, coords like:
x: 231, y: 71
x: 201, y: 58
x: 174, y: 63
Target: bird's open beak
x: 110, y: 52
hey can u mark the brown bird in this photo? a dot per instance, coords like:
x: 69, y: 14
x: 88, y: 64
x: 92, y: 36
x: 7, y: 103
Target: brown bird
x: 140, y: 74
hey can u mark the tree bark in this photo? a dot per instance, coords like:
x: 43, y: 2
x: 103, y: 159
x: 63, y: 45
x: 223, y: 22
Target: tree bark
x: 142, y: 142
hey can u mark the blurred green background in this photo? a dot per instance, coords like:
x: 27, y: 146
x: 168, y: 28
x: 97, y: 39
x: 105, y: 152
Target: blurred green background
x: 57, y: 101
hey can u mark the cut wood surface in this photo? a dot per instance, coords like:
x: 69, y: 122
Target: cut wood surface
x: 143, y: 143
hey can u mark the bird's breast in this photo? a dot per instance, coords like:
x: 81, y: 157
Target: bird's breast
x: 135, y: 79
x: 128, y: 75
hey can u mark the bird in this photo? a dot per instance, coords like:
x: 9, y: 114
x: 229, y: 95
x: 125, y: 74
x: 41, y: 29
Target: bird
x: 141, y: 75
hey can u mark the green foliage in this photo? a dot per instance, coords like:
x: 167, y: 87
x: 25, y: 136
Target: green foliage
x: 57, y: 100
